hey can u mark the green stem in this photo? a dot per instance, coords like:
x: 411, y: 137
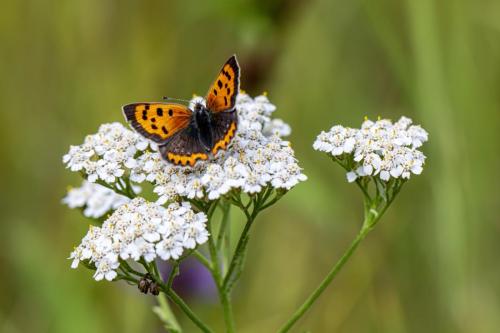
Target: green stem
x: 239, y: 251
x: 228, y: 310
x: 124, y: 263
x: 204, y: 261
x: 154, y: 269
x: 186, y: 309
x: 130, y: 189
x: 225, y: 242
x: 363, y: 189
x: 176, y: 299
x: 372, y: 216
x: 259, y: 204
x: 115, y: 189
x: 271, y: 202
x: 173, y: 274
x: 365, y: 229
x: 223, y: 225
x: 197, y: 205
x: 127, y: 278
x: 216, y: 273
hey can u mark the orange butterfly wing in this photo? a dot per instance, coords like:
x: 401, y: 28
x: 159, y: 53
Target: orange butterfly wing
x: 222, y: 94
x: 157, y: 121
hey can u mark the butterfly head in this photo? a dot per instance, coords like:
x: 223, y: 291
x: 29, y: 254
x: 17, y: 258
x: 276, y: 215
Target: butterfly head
x: 198, y: 107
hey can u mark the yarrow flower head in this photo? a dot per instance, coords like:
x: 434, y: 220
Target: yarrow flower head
x: 95, y: 200
x: 258, y: 158
x: 107, y: 154
x: 140, y: 230
x: 381, y: 148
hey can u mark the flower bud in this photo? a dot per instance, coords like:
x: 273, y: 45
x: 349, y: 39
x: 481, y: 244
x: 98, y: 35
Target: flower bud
x: 154, y: 288
x: 143, y: 285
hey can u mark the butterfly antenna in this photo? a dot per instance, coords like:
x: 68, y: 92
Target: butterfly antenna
x: 165, y: 98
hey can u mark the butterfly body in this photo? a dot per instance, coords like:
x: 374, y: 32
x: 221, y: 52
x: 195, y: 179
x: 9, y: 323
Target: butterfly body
x: 202, y: 126
x: 185, y: 136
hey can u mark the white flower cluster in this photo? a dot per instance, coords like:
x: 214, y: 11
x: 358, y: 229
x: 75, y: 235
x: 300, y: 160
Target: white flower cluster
x: 96, y: 200
x: 377, y: 148
x: 253, y: 162
x: 257, y: 158
x: 107, y: 154
x: 140, y: 229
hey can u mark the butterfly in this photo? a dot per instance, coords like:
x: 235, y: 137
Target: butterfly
x: 185, y: 136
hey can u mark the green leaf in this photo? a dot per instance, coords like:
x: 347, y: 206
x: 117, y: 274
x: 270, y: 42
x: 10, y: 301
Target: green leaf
x: 167, y: 317
x: 238, y: 266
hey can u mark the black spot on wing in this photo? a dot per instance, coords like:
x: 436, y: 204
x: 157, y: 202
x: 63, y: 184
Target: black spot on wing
x: 226, y: 74
x: 233, y: 63
x: 130, y: 112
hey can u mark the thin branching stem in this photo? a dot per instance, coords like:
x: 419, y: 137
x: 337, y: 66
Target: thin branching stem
x: 238, y: 252
x: 202, y: 259
x: 176, y: 298
x: 185, y: 308
x: 372, y: 216
x: 124, y: 263
x: 223, y: 225
x: 216, y: 274
x: 173, y: 274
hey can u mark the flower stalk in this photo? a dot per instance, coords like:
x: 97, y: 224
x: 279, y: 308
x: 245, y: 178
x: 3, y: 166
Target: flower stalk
x: 217, y: 276
x: 379, y: 157
x: 371, y: 218
x: 327, y: 280
x: 226, y: 273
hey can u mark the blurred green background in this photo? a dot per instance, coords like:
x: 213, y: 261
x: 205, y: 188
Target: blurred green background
x: 431, y: 265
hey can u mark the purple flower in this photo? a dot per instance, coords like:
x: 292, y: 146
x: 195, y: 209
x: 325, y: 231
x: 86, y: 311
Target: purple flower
x: 194, y: 280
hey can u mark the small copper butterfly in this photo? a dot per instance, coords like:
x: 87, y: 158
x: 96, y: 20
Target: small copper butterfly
x: 185, y: 136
